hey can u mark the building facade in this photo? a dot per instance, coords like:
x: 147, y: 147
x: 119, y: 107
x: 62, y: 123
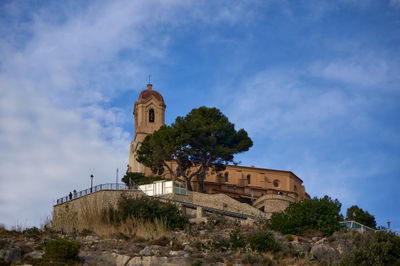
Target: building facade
x: 247, y: 184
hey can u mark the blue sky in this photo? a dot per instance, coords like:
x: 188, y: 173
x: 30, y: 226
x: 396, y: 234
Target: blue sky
x: 315, y: 84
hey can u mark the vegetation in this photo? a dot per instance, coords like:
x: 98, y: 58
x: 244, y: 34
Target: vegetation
x: 259, y: 241
x: 137, y: 179
x: 62, y: 251
x: 263, y: 241
x: 380, y: 249
x: 203, y: 140
x: 357, y: 214
x: 149, y: 209
x: 310, y: 214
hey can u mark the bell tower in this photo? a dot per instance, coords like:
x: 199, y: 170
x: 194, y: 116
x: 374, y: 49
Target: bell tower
x: 149, y: 113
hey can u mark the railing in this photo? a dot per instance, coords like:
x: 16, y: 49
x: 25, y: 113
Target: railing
x: 108, y: 186
x: 362, y: 228
x: 357, y: 226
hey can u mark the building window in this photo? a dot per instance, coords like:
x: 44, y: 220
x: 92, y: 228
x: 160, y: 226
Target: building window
x: 151, y: 115
x: 276, y: 183
x: 226, y: 177
x: 295, y: 188
x: 248, y: 179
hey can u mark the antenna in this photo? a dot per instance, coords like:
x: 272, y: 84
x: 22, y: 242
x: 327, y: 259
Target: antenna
x: 149, y: 78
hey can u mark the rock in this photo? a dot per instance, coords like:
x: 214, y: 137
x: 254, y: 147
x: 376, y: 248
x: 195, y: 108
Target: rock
x: 98, y: 258
x: 188, y: 248
x: 153, y: 260
x: 150, y: 250
x: 92, y: 238
x: 179, y: 253
x: 302, y: 247
x: 11, y: 253
x: 36, y: 254
x: 121, y: 260
x: 321, y: 241
x: 315, y: 238
x: 324, y: 253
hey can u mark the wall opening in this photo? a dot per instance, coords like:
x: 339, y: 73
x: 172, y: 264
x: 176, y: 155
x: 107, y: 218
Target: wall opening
x: 151, y: 116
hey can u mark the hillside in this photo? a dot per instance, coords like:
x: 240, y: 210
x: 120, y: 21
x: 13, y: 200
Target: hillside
x: 220, y: 241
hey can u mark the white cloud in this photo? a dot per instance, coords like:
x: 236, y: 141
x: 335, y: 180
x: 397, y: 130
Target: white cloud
x: 58, y: 70
x: 361, y: 72
x: 395, y: 3
x: 54, y: 131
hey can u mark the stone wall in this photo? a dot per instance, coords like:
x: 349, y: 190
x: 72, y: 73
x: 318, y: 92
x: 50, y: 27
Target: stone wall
x: 271, y: 203
x: 81, y: 213
x: 218, y: 201
x: 84, y: 212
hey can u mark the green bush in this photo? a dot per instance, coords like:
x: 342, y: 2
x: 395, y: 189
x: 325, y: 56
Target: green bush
x: 256, y: 259
x: 310, y: 214
x: 62, y: 250
x: 380, y: 249
x: 150, y: 209
x: 259, y: 241
x: 263, y: 241
x: 236, y: 240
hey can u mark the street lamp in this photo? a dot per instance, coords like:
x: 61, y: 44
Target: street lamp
x: 91, y: 183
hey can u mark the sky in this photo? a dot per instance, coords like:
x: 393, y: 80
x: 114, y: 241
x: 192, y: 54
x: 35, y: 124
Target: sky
x: 314, y: 83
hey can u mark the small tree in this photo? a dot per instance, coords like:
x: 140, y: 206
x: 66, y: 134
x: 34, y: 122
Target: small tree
x: 357, y: 214
x: 310, y: 214
x: 201, y: 141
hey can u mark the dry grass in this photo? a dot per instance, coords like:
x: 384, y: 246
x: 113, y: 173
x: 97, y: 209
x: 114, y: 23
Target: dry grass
x: 93, y: 216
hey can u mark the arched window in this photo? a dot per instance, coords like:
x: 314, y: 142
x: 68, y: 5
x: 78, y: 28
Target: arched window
x: 276, y: 183
x: 151, y: 115
x: 226, y: 177
x: 248, y: 179
x: 295, y: 188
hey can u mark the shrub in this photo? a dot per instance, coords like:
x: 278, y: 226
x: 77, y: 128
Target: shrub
x: 263, y: 241
x: 4, y: 262
x: 255, y: 259
x: 289, y: 237
x: 380, y: 249
x: 236, y: 240
x: 62, y: 250
x: 316, y: 214
x: 150, y: 209
x: 32, y: 232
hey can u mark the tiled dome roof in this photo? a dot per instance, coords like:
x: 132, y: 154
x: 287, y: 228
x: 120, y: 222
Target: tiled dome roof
x: 149, y: 92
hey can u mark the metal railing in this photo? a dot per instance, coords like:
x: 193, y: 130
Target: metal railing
x: 108, y: 186
x: 362, y: 228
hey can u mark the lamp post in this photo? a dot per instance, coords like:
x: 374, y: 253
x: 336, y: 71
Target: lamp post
x: 91, y: 183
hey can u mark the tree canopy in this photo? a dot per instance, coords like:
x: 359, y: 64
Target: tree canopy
x: 202, y: 140
x: 137, y: 179
x: 310, y: 214
x: 357, y: 214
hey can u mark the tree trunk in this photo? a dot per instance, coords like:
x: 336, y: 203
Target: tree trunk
x: 201, y: 182
x: 189, y: 185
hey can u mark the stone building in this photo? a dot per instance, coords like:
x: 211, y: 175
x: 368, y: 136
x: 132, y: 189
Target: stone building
x: 254, y: 185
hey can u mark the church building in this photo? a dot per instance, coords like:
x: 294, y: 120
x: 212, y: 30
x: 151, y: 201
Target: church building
x: 244, y: 183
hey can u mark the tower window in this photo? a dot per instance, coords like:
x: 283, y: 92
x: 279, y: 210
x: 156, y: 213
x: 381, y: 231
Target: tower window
x: 248, y: 179
x: 151, y: 115
x: 226, y: 177
x: 276, y: 183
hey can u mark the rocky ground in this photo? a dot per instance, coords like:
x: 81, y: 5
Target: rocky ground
x: 200, y: 244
